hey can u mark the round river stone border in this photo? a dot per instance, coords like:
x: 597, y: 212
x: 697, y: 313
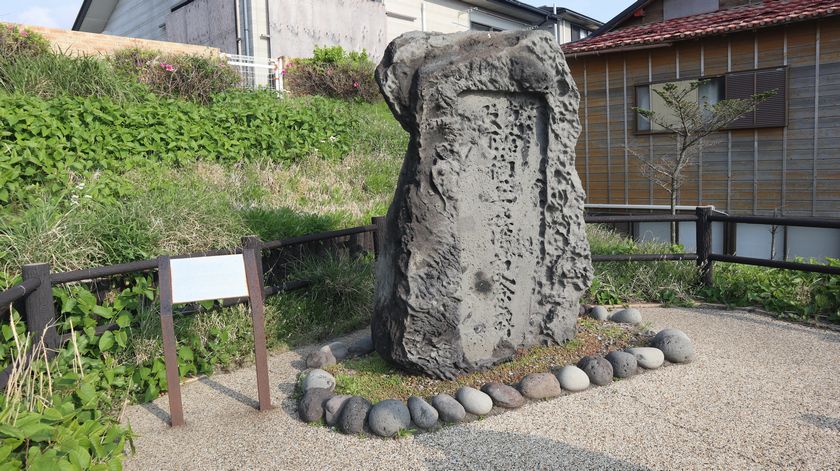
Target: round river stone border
x: 389, y: 418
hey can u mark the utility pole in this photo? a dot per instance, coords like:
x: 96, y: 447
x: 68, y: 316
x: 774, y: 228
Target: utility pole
x: 556, y: 27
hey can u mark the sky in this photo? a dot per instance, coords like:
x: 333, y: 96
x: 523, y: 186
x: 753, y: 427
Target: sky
x: 61, y: 13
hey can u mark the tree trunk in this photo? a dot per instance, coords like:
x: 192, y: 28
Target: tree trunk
x: 673, y: 210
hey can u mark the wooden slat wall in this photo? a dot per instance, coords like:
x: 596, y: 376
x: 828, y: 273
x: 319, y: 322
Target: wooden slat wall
x: 745, y: 171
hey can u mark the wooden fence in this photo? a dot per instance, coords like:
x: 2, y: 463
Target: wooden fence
x: 33, y: 296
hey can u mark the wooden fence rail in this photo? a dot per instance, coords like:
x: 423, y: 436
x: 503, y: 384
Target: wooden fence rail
x: 33, y: 296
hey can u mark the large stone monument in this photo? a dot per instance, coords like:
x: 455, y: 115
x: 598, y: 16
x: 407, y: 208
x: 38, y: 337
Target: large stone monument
x: 484, y: 249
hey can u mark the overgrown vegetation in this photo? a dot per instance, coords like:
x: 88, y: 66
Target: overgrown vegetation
x: 333, y: 72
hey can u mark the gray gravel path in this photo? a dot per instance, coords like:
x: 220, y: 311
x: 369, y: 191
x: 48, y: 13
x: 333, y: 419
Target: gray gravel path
x: 761, y: 394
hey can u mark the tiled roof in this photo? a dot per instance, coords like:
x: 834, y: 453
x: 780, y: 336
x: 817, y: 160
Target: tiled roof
x: 771, y: 12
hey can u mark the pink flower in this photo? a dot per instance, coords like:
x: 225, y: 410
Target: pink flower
x: 24, y: 33
x: 283, y: 72
x: 356, y: 85
x: 167, y: 67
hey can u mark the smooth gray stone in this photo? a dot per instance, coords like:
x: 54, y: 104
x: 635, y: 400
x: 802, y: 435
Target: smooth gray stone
x: 332, y: 409
x: 598, y: 369
x: 486, y: 227
x: 319, y: 359
x: 311, y: 406
x: 540, y: 386
x: 353, y: 415
x: 338, y: 349
x: 318, y: 378
x: 647, y: 357
x: 449, y: 410
x: 630, y: 315
x: 624, y: 364
x: 363, y: 346
x: 675, y: 345
x: 422, y: 413
x: 599, y: 313
x: 474, y: 401
x: 504, y: 395
x: 572, y: 378
x: 388, y: 417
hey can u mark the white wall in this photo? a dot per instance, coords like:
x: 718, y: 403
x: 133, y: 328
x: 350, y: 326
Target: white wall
x: 298, y: 26
x: 807, y: 242
x: 753, y: 240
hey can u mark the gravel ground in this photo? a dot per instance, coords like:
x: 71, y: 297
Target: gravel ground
x: 760, y: 394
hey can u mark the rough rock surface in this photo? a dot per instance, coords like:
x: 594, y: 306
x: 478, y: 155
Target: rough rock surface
x: 484, y: 249
x: 624, y: 364
x: 675, y: 345
x: 422, y: 413
x: 540, y: 386
x: 598, y: 369
x: 353, y: 415
x: 311, y: 406
x: 332, y: 409
x: 474, y: 401
x: 647, y: 357
x: 572, y: 378
x: 319, y: 359
x: 504, y: 395
x: 388, y: 417
x: 449, y: 410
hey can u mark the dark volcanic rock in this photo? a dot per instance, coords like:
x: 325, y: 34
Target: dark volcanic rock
x: 624, y: 364
x: 599, y: 370
x: 504, y: 395
x: 388, y: 417
x: 353, y: 415
x: 422, y: 413
x: 484, y: 249
x: 311, y: 406
x: 449, y: 410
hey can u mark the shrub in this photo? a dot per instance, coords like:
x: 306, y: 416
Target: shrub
x: 335, y: 73
x: 192, y: 77
x: 792, y: 294
x: 17, y: 42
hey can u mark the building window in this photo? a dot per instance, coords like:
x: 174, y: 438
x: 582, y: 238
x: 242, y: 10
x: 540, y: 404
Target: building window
x: 579, y: 32
x: 770, y: 113
x: 482, y: 27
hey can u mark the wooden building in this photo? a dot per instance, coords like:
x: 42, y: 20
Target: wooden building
x: 784, y: 159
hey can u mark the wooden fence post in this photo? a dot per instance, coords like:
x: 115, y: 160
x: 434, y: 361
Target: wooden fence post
x: 39, y: 310
x: 252, y: 256
x: 378, y: 236
x: 704, y: 245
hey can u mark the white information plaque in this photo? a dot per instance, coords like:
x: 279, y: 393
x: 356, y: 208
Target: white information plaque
x: 204, y: 278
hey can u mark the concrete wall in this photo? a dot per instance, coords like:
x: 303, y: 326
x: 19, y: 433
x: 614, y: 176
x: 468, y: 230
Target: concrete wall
x: 297, y: 27
x: 140, y: 18
x: 93, y: 43
x: 207, y: 22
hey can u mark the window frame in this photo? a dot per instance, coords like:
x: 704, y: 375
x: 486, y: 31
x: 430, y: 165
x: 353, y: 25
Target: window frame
x: 722, y: 76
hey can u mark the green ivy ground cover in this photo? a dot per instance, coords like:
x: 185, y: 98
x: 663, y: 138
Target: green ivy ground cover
x: 46, y: 142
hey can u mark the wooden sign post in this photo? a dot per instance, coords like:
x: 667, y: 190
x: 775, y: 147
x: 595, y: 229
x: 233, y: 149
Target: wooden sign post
x: 185, y: 280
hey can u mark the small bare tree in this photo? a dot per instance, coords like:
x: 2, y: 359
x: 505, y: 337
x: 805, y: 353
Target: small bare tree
x: 689, y: 121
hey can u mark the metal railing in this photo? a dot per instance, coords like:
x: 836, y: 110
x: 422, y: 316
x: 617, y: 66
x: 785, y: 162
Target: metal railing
x: 257, y: 72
